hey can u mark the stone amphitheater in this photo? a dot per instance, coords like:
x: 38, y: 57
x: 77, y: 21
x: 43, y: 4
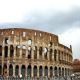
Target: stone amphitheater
x: 33, y: 53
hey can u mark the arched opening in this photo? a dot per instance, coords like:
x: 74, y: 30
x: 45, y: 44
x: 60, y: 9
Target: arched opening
x: 40, y: 71
x: 10, y: 70
x: 50, y: 54
x: 6, y: 40
x: 35, y: 52
x: 40, y: 52
x: 0, y: 50
x: 62, y: 71
x: 29, y: 42
x: 46, y: 71
x: 51, y: 71
x: 17, y: 50
x: 55, y: 55
x: 6, y: 51
x: 45, y: 52
x: 23, y: 51
x: 65, y: 72
x: 59, y: 55
x: 59, y: 71
x: 29, y: 70
x: 35, y: 70
x: 11, y: 50
x: 55, y: 71
x: 29, y: 52
x: 17, y: 70
x: 0, y: 70
x: 23, y: 70
x: 24, y: 34
x: 5, y: 70
x: 50, y: 44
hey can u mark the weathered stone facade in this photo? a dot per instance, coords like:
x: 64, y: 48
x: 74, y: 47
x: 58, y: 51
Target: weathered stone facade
x: 32, y: 53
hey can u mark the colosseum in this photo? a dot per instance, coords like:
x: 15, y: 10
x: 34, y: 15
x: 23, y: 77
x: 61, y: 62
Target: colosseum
x: 33, y: 53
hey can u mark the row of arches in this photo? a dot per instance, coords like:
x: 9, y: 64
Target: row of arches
x: 41, y: 70
x: 42, y: 51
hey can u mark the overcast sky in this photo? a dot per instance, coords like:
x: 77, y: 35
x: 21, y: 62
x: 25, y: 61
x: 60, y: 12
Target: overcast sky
x: 61, y: 17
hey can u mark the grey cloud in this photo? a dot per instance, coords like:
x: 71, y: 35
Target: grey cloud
x: 58, y: 22
x: 51, y: 21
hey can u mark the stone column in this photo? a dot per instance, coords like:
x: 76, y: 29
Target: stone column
x: 20, y: 46
x: 7, y: 69
x: 9, y: 48
x: 26, y: 51
x: 64, y: 71
x: 38, y: 53
x: 14, y: 51
x: 48, y: 55
x: 32, y: 56
x: 43, y: 71
x: 14, y: 46
x: 2, y: 69
x: 8, y: 51
x: 26, y: 71
x: 61, y: 71
x: 57, y: 56
x: 20, y: 52
x: 20, y: 70
x: 38, y: 71
x: 42, y: 54
x: 53, y: 71
x: 32, y: 72
x: 57, y: 71
x: 14, y: 70
x: 49, y: 72
x: 53, y: 52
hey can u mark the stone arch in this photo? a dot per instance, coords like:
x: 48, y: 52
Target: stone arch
x: 50, y: 44
x: 55, y: 71
x: 40, y: 71
x: 55, y: 55
x: 18, y: 50
x: 35, y: 52
x: 29, y: 70
x: 23, y: 70
x: 35, y: 70
x: 46, y: 71
x: 45, y: 52
x: 59, y: 55
x: 59, y: 71
x: 50, y: 54
x: 62, y: 71
x: 17, y: 70
x: 29, y: 52
x: 51, y: 71
x: 40, y: 52
x: 6, y: 51
x: 29, y: 42
x: 23, y: 51
x: 5, y: 70
x: 10, y: 70
x: 65, y: 71
x: 11, y: 50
